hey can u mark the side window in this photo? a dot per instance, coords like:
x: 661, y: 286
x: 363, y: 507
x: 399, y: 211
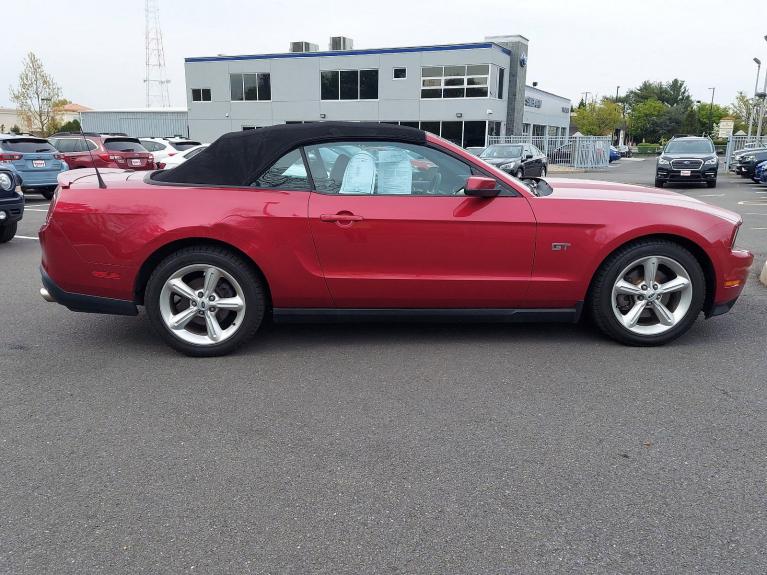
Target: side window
x: 385, y: 168
x: 287, y: 173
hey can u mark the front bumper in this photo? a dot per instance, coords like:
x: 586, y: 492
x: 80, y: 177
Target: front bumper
x: 13, y: 206
x: 82, y: 302
x: 731, y: 281
x: 744, y: 169
x: 667, y: 174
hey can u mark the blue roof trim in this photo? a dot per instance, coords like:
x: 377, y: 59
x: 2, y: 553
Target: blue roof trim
x: 443, y: 48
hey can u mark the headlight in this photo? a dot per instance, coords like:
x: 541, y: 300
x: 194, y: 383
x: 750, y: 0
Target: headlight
x: 735, y: 235
x: 749, y: 158
x: 663, y: 161
x: 508, y: 166
x: 712, y: 161
x: 7, y: 183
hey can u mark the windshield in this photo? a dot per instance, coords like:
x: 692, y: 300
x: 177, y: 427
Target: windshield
x: 181, y: 146
x: 689, y: 147
x: 502, y: 151
x: 27, y: 146
x: 124, y: 145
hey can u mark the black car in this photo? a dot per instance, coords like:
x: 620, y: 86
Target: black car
x: 687, y: 160
x: 11, y: 204
x: 745, y: 164
x: 519, y: 160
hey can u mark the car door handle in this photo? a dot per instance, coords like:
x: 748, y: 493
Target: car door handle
x: 340, y: 218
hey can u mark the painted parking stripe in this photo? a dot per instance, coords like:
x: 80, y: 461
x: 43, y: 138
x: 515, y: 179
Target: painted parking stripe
x: 711, y: 196
x: 35, y: 210
x: 26, y: 238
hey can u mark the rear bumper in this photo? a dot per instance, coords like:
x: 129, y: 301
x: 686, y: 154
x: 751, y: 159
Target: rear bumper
x: 13, y: 206
x: 85, y: 303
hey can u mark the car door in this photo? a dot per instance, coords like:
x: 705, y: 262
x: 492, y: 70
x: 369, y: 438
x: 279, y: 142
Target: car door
x: 528, y: 161
x: 393, y: 229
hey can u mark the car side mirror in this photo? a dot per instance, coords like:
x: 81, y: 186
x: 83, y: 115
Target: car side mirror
x: 481, y: 187
x: 657, y: 152
x: 529, y: 157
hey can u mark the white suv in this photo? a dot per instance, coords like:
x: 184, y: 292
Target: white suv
x: 163, y: 148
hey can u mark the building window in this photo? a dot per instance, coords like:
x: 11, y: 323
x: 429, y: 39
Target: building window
x: 200, y: 94
x: 400, y: 73
x: 455, y: 81
x: 250, y: 87
x: 501, y: 74
x: 474, y: 134
x: 349, y: 84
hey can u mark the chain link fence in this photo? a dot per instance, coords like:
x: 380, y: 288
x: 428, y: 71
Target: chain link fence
x: 576, y: 151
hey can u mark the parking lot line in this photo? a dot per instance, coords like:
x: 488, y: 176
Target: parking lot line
x: 34, y: 210
x: 26, y: 237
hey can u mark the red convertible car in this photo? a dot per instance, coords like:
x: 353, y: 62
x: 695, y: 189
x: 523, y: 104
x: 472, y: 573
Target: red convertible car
x: 331, y: 221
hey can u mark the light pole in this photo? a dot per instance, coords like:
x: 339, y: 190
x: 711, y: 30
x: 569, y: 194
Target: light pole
x: 756, y: 89
x: 710, y: 111
x: 697, y: 116
x: 764, y: 105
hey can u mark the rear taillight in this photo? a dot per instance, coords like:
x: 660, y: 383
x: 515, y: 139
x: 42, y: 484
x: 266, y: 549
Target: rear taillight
x: 160, y: 166
x: 9, y: 157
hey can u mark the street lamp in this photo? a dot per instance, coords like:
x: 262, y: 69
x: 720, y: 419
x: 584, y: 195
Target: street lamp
x: 710, y: 110
x: 756, y: 89
x: 764, y: 105
x: 697, y: 115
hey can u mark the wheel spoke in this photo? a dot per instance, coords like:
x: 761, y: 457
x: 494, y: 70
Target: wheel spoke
x: 177, y: 285
x: 677, y: 284
x: 232, y: 303
x: 627, y: 288
x: 180, y: 320
x: 663, y: 314
x: 212, y: 276
x: 212, y: 326
x: 632, y: 317
x: 650, y: 266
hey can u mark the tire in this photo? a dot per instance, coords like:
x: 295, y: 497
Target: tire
x: 613, y: 310
x: 7, y: 232
x: 47, y: 193
x: 543, y: 172
x: 187, y: 271
x: 658, y: 183
x: 711, y: 184
x: 519, y: 174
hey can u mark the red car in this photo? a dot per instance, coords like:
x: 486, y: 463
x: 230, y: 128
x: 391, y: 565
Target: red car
x: 102, y: 151
x: 331, y: 221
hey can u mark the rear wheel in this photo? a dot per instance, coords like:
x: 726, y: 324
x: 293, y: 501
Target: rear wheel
x: 648, y: 293
x: 47, y: 193
x: 205, y: 301
x: 7, y: 232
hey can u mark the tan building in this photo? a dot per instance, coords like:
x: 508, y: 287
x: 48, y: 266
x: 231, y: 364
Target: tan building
x: 10, y: 117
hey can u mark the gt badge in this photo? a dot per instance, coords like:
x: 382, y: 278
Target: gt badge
x: 559, y: 247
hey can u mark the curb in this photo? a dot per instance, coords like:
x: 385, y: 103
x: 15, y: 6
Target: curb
x: 763, y: 275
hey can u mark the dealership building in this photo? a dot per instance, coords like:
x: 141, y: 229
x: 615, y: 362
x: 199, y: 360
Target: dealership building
x: 463, y: 92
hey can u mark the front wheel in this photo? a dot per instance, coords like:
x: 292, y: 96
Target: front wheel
x: 7, y: 232
x: 648, y: 293
x: 543, y: 172
x: 205, y: 301
x: 658, y: 183
x: 711, y: 184
x: 519, y: 174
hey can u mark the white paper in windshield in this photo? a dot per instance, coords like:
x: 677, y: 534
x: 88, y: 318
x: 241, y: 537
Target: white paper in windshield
x: 360, y: 175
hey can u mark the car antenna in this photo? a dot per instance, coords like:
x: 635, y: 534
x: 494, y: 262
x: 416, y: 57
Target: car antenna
x: 102, y: 185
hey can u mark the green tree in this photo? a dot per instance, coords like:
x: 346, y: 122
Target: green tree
x: 741, y: 108
x: 71, y: 126
x: 598, y: 119
x: 15, y: 129
x: 35, y: 96
x: 647, y: 120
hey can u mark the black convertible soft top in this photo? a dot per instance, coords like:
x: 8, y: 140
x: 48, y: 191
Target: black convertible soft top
x: 239, y: 158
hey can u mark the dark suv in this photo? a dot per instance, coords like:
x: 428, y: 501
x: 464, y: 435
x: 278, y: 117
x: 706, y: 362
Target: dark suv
x: 687, y: 159
x: 102, y: 151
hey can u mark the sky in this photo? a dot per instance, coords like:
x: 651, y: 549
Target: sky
x: 95, y: 50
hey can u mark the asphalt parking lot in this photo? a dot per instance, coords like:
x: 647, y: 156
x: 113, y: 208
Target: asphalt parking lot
x: 384, y: 449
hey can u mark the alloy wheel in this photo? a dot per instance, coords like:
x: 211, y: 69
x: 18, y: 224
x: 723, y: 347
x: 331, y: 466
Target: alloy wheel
x: 652, y: 295
x: 202, y: 304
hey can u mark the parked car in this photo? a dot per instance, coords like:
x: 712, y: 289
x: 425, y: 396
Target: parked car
x: 687, y: 159
x: 746, y: 164
x: 163, y: 148
x: 35, y: 160
x: 624, y: 151
x: 521, y: 160
x: 614, y: 154
x: 102, y: 151
x: 763, y: 176
x: 475, y: 150
x: 759, y: 172
x: 11, y: 203
x: 213, y: 245
x: 180, y: 158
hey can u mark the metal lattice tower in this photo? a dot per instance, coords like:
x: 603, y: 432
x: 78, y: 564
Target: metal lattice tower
x: 156, y: 76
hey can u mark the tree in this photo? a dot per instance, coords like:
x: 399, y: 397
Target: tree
x: 598, y: 119
x: 35, y: 96
x: 647, y: 120
x: 675, y: 93
x: 15, y: 129
x: 71, y: 126
x: 741, y: 108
